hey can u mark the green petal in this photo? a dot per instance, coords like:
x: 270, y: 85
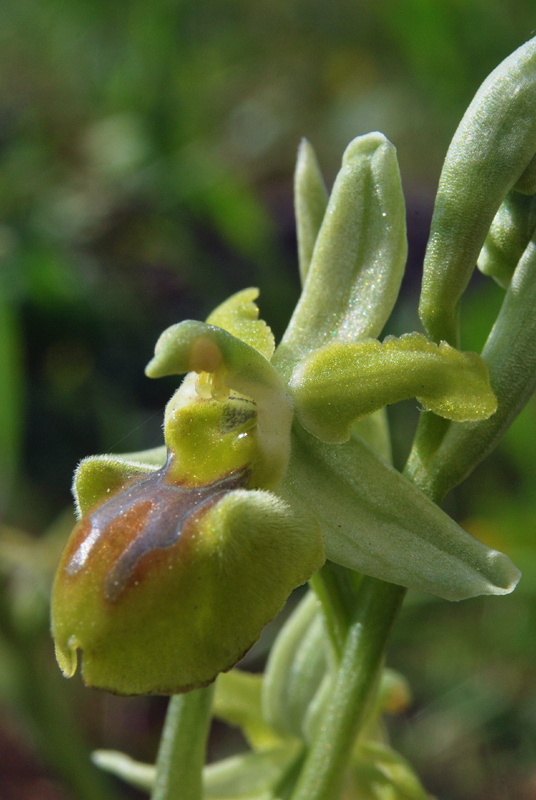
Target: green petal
x: 341, y: 383
x: 310, y: 202
x: 376, y: 522
x: 198, y: 347
x: 359, y: 256
x: 491, y: 149
x: 240, y: 316
x: 510, y: 232
x: 97, y: 478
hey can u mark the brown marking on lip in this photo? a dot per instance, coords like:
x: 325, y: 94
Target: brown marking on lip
x: 135, y: 530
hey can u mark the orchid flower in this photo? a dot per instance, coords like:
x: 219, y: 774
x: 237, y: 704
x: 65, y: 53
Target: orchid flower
x: 274, y: 460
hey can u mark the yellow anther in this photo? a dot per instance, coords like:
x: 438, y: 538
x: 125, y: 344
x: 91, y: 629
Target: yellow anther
x: 203, y: 385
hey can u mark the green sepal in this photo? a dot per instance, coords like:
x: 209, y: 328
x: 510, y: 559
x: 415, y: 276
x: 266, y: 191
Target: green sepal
x: 310, y: 202
x: 185, y: 611
x: 491, y: 149
x: 376, y: 522
x: 341, y: 383
x: 239, y: 316
x: 295, y: 669
x: 511, y: 230
x: 97, y: 478
x: 251, y: 776
x: 135, y: 773
x: 359, y: 256
x: 379, y: 772
x: 374, y: 429
x: 510, y: 354
x: 238, y: 701
x: 248, y: 776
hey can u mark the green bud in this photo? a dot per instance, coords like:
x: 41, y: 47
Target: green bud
x: 510, y: 232
x: 510, y: 354
x: 491, y: 150
x: 295, y: 669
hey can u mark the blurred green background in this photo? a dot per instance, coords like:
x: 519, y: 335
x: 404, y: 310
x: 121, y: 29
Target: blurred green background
x: 147, y: 152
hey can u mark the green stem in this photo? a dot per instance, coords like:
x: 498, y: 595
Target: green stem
x: 336, y: 588
x: 378, y: 604
x: 179, y: 766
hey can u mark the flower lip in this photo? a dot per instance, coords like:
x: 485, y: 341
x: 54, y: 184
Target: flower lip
x: 157, y: 509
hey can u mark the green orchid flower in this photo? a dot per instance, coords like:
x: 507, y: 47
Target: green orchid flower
x: 183, y: 554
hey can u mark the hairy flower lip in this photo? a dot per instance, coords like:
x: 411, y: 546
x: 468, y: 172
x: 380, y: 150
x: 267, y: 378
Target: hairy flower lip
x: 167, y: 509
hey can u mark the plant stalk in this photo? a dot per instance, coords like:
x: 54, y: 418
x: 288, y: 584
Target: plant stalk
x: 377, y: 606
x: 181, y: 756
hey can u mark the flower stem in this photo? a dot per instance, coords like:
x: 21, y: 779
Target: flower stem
x: 362, y: 656
x: 181, y: 755
x: 336, y: 588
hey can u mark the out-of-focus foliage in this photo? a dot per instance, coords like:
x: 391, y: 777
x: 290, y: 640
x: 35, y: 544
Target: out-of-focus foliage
x: 146, y: 157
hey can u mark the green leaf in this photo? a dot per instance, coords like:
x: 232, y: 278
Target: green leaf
x: 359, y: 256
x: 310, y: 202
x: 376, y: 522
x: 240, y: 316
x: 341, y: 383
x: 491, y: 150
